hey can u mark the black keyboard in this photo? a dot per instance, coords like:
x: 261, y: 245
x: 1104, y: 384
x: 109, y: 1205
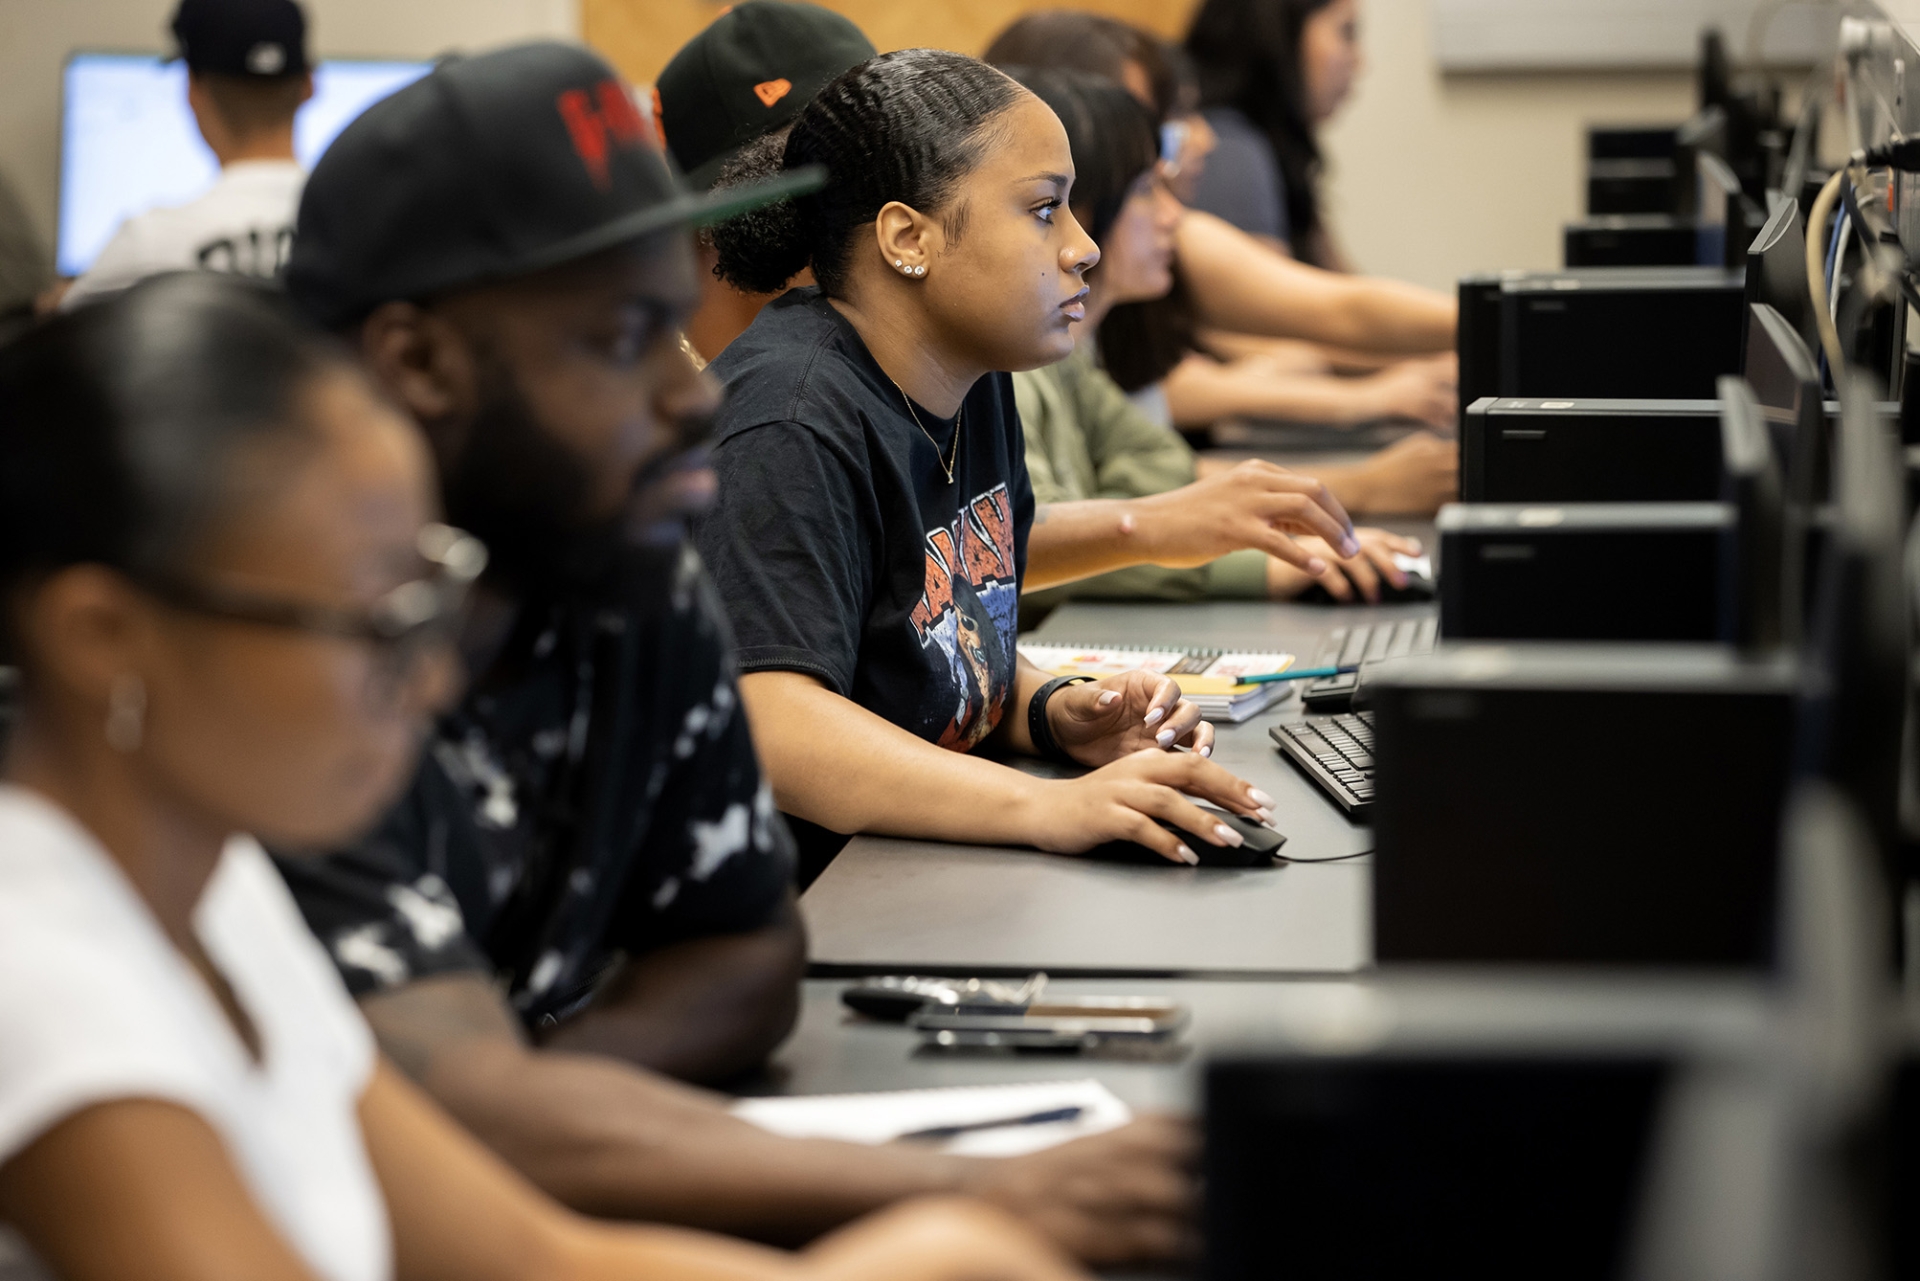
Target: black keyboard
x: 1336, y: 752
x: 1362, y: 643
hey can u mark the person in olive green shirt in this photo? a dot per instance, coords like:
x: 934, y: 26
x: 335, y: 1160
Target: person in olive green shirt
x: 1084, y: 437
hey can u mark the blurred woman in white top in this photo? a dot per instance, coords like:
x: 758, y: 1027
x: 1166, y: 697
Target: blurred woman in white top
x: 232, y: 610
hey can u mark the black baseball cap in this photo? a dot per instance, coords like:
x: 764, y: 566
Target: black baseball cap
x: 487, y: 168
x: 259, y: 38
x: 751, y: 70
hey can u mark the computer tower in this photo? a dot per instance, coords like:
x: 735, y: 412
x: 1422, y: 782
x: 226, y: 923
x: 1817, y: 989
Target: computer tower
x: 1477, y: 336
x: 1579, y: 804
x: 1519, y: 450
x: 1631, y: 186
x: 1656, y: 333
x: 1488, y: 1160
x: 1638, y: 240
x: 1584, y: 571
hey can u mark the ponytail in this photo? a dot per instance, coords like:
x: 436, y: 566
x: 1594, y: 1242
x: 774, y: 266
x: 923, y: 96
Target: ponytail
x: 906, y: 126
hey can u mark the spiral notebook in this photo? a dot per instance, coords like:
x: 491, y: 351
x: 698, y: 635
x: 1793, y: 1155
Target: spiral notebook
x: 1208, y: 677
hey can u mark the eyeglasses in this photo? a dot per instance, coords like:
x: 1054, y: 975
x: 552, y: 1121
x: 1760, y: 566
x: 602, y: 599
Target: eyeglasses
x: 403, y: 625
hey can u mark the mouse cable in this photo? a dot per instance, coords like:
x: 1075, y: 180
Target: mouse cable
x: 1332, y: 858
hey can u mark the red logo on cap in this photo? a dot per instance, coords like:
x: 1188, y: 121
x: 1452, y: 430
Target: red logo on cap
x: 599, y: 120
x: 771, y: 91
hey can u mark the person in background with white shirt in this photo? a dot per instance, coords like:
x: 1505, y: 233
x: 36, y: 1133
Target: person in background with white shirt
x: 233, y: 613
x: 247, y: 75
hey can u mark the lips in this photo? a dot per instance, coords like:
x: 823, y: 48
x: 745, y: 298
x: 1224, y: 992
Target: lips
x: 1076, y: 306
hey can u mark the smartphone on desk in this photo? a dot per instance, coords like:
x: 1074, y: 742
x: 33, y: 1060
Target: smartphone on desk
x: 1081, y: 1023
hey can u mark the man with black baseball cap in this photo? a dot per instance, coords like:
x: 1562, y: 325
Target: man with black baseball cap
x: 247, y: 75
x: 744, y: 79
x: 589, y: 879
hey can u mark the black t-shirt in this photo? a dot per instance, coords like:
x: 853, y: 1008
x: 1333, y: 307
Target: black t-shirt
x: 595, y: 795
x: 841, y: 549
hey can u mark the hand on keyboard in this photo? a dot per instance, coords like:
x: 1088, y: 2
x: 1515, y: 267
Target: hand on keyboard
x: 1344, y: 580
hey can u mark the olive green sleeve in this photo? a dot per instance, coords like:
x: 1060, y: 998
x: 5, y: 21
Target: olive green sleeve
x: 1133, y: 456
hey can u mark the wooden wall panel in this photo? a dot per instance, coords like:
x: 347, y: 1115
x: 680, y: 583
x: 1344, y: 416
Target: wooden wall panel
x: 638, y: 36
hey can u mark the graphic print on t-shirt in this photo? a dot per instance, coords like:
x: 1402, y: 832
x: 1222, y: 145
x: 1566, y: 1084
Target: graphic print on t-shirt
x: 970, y: 611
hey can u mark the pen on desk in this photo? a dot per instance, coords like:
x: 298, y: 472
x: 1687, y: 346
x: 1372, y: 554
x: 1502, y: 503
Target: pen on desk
x: 1001, y: 1123
x: 1298, y: 674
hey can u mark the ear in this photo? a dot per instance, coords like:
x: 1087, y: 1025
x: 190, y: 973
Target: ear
x: 206, y: 115
x: 306, y: 87
x: 906, y: 236
x: 423, y: 362
x: 83, y: 628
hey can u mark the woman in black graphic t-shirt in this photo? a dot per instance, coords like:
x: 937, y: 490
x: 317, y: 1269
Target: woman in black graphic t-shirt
x: 875, y: 523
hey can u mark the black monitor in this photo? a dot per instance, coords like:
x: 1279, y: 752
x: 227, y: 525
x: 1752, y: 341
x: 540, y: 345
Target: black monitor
x: 1851, y: 717
x: 1752, y: 568
x: 1777, y: 269
x: 1786, y: 383
x: 1473, y: 1164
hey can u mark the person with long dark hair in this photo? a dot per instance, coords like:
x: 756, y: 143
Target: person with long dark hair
x: 875, y: 523
x: 1271, y: 73
x: 232, y: 609
x: 1245, y: 331
x: 1085, y: 439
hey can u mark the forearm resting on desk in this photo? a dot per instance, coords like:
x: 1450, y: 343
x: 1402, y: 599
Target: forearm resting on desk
x: 1237, y: 283
x: 707, y: 1009
x: 835, y: 763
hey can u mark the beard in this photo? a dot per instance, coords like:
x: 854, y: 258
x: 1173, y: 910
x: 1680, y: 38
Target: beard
x: 523, y: 493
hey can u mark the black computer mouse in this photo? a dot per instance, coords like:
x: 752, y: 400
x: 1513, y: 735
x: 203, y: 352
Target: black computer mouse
x: 1418, y: 590
x: 1258, y: 848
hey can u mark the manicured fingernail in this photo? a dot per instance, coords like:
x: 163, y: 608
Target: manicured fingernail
x: 1227, y: 836
x: 1316, y: 566
x: 1154, y: 717
x: 1207, y: 750
x: 1349, y: 546
x: 1164, y: 738
x: 1126, y: 523
x: 1187, y: 856
x: 1108, y: 699
x: 1264, y: 814
x: 1260, y: 798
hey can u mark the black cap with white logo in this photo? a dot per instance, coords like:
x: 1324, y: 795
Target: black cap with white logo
x: 259, y: 38
x: 751, y: 70
x: 488, y: 168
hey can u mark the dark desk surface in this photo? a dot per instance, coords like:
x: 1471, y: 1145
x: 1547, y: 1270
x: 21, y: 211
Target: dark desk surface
x: 894, y: 905
x: 834, y: 1050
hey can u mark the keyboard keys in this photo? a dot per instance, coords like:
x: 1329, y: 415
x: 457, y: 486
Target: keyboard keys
x: 1331, y: 647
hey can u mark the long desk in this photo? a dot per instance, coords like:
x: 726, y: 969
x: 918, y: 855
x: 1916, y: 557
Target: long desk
x: 833, y: 1050
x: 889, y: 905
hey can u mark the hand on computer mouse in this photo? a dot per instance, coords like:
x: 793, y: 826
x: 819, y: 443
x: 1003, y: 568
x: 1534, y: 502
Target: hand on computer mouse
x: 1124, y: 801
x: 1355, y: 578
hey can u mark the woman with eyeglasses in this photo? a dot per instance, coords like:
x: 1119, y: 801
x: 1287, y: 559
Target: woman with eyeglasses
x: 231, y: 609
x: 1243, y: 331
x: 1084, y: 438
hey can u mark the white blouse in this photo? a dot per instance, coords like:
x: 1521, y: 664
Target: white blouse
x: 96, y: 1004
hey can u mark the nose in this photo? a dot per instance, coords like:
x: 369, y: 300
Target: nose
x: 429, y: 680
x: 687, y: 399
x: 1079, y: 253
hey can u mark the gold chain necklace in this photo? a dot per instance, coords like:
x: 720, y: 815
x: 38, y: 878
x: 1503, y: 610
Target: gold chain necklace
x: 953, y: 454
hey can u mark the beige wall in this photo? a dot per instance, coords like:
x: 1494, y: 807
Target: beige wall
x: 1430, y: 177
x: 1435, y: 176
x: 36, y: 36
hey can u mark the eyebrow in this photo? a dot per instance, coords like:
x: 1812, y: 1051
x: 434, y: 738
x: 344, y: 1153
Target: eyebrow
x: 1057, y: 179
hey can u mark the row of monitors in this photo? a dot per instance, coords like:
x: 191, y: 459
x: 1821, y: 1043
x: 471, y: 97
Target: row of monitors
x: 128, y: 142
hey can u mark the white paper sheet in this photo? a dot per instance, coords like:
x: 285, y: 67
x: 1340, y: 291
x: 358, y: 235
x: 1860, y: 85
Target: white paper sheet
x: 883, y: 1117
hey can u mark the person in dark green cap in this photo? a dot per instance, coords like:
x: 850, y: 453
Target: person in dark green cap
x: 736, y: 85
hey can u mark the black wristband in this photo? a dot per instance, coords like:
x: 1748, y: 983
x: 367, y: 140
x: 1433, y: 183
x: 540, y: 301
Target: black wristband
x: 1038, y: 726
